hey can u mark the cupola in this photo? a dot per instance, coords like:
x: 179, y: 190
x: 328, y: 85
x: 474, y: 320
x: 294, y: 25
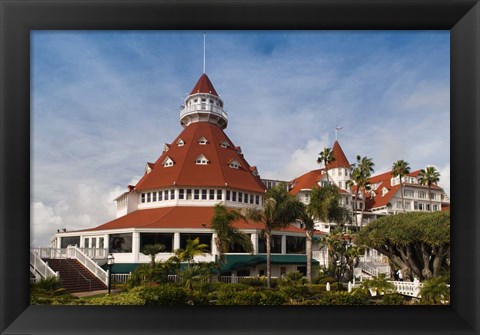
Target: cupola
x: 203, y: 105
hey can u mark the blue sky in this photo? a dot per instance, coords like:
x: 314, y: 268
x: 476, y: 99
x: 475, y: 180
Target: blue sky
x: 104, y: 103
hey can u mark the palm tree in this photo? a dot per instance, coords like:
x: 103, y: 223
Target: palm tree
x: 279, y: 210
x: 326, y: 157
x: 429, y: 176
x: 192, y: 249
x: 401, y: 169
x: 365, y: 166
x: 152, y: 250
x: 360, y: 176
x: 227, y: 235
x: 307, y: 219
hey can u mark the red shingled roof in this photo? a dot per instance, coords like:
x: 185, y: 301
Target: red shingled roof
x: 177, y: 217
x: 306, y: 181
x: 204, y: 85
x: 340, y: 158
x: 383, y: 181
x: 217, y: 173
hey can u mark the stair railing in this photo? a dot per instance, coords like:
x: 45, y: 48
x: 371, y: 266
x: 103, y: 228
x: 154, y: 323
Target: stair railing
x: 58, y: 254
x: 40, y: 267
x: 87, y: 262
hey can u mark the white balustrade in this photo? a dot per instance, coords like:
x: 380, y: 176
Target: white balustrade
x: 40, y: 267
x: 120, y: 277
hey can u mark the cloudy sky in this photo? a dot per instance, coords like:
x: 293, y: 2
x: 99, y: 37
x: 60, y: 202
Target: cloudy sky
x: 104, y: 103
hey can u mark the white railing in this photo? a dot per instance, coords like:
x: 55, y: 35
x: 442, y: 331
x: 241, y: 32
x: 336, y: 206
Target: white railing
x: 120, y: 278
x: 375, y: 270
x: 412, y: 289
x: 95, y: 253
x: 369, y: 269
x: 53, y: 253
x: 76, y: 253
x: 203, y: 108
x: 40, y: 267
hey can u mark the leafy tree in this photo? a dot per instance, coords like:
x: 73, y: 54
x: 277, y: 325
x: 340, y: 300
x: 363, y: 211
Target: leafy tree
x: 192, y: 249
x: 152, y: 250
x: 307, y: 218
x: 342, y: 253
x: 429, y: 176
x: 279, y: 210
x: 401, y: 169
x: 226, y: 234
x: 326, y: 157
x: 417, y: 243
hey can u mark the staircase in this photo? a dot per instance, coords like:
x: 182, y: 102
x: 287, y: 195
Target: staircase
x: 74, y: 276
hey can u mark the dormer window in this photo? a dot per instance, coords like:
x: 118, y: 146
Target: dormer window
x: 238, y: 150
x: 148, y: 167
x: 167, y: 162
x: 234, y: 164
x: 224, y: 144
x: 202, y: 141
x: 384, y: 191
x: 166, y: 147
x: 254, y: 171
x: 201, y: 160
x: 180, y: 142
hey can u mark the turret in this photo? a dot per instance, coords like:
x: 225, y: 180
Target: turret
x: 203, y: 105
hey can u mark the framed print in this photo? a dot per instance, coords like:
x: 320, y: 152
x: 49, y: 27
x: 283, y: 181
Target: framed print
x: 23, y: 22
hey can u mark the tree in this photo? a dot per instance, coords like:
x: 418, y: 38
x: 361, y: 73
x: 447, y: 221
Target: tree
x: 343, y: 255
x: 429, y: 176
x: 325, y: 206
x: 417, y: 243
x: 192, y: 249
x: 401, y: 169
x: 227, y: 235
x: 152, y: 250
x: 361, y: 173
x: 326, y: 157
x: 279, y: 210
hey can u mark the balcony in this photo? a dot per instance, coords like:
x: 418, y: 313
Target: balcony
x: 203, y: 108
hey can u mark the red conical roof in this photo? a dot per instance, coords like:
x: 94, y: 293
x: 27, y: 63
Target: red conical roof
x: 340, y: 158
x: 216, y: 173
x: 204, y: 85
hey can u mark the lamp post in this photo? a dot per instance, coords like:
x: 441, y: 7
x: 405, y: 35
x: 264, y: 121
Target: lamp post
x: 110, y: 261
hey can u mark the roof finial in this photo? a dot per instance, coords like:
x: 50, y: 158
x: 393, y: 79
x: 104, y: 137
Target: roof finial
x: 337, y: 128
x: 204, y: 52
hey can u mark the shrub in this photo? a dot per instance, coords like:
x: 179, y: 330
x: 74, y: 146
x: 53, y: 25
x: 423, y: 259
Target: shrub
x: 325, y: 280
x: 344, y: 298
x: 164, y: 294
x: 435, y: 291
x: 254, y: 281
x: 392, y: 299
x: 239, y: 298
x: 270, y: 297
x: 124, y: 298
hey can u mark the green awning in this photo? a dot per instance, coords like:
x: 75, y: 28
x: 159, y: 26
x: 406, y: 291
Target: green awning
x: 121, y: 267
x: 234, y: 262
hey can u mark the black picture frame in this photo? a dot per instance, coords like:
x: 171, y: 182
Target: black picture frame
x: 18, y: 17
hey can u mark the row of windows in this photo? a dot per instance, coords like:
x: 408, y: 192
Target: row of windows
x: 243, y: 197
x: 122, y: 243
x: 418, y: 206
x: 340, y: 172
x: 420, y: 194
x: 200, y: 194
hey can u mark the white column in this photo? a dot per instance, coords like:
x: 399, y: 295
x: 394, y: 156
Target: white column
x: 176, y: 241
x: 254, y: 238
x: 135, y: 246
x: 214, y: 246
x: 284, y: 244
x: 177, y: 192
